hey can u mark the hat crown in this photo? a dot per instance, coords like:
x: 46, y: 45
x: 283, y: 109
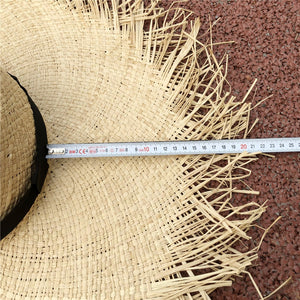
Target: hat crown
x: 17, y: 143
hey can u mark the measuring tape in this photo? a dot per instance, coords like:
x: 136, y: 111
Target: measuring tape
x: 268, y: 145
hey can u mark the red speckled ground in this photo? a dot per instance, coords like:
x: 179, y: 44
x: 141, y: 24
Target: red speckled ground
x: 267, y: 36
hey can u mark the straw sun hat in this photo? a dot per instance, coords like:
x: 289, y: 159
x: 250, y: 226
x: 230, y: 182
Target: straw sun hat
x: 119, y: 228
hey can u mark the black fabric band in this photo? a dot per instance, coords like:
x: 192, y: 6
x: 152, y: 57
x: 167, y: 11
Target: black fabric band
x: 38, y: 172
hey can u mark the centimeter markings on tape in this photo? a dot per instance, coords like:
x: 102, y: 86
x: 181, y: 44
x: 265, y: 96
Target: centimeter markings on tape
x: 266, y: 145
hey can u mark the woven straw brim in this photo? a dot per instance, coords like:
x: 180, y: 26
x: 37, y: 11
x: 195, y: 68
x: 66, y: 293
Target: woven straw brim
x: 17, y: 143
x: 125, y: 228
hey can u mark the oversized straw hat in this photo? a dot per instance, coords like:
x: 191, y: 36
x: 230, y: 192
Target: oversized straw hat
x: 118, y: 228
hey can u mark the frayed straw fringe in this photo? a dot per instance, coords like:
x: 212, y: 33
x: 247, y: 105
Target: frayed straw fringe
x: 208, y: 226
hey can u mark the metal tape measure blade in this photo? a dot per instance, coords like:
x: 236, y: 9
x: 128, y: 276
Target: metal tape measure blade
x: 268, y: 145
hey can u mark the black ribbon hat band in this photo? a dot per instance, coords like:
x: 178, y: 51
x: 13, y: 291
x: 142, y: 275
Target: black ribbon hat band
x: 39, y: 170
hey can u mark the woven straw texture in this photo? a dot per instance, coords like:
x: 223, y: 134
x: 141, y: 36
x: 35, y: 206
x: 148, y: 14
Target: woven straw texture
x: 17, y: 143
x: 125, y: 228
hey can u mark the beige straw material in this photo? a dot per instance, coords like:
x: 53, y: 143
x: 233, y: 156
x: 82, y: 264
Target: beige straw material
x: 125, y: 228
x: 17, y: 143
